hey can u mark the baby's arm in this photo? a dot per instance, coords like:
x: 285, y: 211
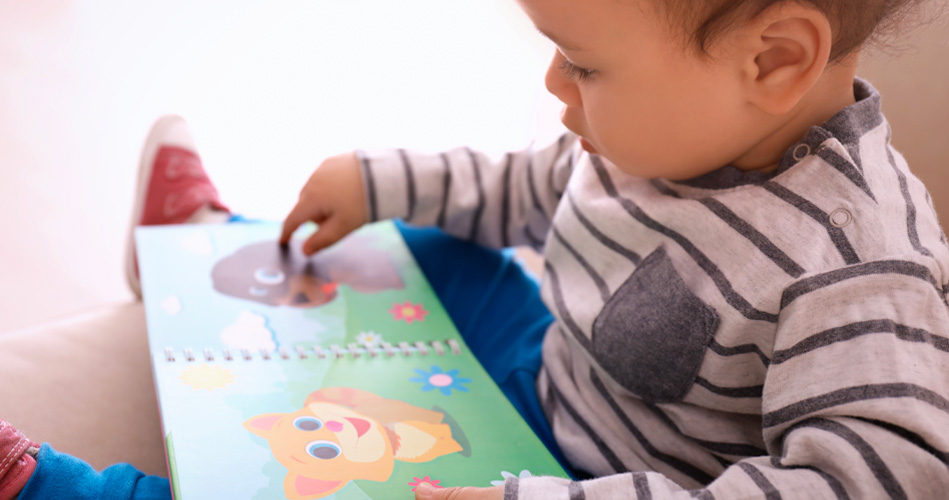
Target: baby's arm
x: 496, y: 203
x: 499, y: 203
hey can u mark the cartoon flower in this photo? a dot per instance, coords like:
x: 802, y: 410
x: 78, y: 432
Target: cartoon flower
x: 426, y: 479
x: 505, y: 474
x: 369, y: 338
x: 408, y: 312
x: 441, y: 380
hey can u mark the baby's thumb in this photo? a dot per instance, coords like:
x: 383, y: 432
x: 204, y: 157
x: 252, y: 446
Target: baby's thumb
x: 426, y: 491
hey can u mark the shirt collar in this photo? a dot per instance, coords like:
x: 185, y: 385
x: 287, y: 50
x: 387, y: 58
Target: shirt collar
x: 847, y: 126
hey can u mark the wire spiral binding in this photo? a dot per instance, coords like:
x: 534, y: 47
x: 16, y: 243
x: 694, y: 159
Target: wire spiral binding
x: 334, y: 351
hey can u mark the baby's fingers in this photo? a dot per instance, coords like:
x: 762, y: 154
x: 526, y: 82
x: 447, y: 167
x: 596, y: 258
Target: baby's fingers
x: 425, y: 491
x: 297, y: 217
x: 329, y: 231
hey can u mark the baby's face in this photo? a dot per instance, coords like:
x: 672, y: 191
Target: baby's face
x: 637, y: 95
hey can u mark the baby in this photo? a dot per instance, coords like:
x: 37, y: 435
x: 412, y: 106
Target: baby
x: 748, y: 285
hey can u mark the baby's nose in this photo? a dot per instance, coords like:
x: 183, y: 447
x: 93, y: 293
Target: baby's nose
x: 334, y: 426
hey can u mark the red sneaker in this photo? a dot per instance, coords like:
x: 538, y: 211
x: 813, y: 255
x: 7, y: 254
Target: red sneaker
x: 17, y: 460
x: 172, y: 185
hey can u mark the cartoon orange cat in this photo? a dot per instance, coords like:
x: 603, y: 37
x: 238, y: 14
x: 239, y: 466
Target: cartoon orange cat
x: 342, y: 434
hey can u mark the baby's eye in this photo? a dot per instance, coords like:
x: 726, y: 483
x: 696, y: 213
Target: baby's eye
x: 574, y: 72
x: 324, y: 450
x: 269, y: 276
x: 257, y: 291
x: 307, y: 424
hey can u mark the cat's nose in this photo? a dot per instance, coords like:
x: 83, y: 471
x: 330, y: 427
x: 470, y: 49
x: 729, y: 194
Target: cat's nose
x: 334, y: 426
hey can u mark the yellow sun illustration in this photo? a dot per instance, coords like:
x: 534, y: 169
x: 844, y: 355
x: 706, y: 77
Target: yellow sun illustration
x: 207, y: 377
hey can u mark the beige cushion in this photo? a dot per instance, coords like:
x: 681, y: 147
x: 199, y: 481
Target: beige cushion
x: 84, y: 385
x: 913, y: 86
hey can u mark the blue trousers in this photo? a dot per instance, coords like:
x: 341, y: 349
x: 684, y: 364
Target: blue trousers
x: 493, y: 302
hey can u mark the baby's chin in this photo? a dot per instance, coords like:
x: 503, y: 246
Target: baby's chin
x: 585, y: 144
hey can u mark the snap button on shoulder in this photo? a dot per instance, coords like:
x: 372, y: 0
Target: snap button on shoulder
x: 841, y: 218
x: 801, y: 152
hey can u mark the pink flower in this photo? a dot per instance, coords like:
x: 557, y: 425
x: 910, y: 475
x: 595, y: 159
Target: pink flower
x: 426, y: 479
x: 408, y: 312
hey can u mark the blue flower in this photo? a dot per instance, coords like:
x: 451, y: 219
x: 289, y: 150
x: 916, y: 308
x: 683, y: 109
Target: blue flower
x: 444, y: 381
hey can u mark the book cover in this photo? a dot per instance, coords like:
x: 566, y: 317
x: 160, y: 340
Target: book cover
x: 335, y: 376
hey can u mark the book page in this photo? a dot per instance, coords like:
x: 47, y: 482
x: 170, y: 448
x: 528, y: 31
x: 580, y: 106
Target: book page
x: 341, y: 376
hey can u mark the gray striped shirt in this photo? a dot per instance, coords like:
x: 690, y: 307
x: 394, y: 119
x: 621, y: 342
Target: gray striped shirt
x: 737, y: 335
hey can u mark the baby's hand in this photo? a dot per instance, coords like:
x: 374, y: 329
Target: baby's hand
x: 333, y: 198
x: 426, y: 492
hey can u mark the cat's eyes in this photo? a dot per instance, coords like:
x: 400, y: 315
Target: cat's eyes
x: 324, y: 450
x: 269, y: 276
x: 307, y: 424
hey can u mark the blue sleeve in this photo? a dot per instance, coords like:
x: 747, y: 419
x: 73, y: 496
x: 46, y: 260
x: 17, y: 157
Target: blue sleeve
x: 59, y: 475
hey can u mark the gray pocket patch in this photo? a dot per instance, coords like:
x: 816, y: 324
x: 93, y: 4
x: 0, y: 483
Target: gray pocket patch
x: 652, y: 334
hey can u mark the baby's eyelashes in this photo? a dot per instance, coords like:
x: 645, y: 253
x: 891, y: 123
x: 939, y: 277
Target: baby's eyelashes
x: 574, y: 72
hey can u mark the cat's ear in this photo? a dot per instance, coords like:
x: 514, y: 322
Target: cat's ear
x: 299, y: 487
x: 262, y: 424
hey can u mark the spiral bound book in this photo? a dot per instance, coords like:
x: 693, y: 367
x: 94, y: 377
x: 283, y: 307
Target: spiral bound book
x: 334, y: 376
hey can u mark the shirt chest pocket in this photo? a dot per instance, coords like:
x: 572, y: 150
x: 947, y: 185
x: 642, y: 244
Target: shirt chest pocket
x: 652, y: 334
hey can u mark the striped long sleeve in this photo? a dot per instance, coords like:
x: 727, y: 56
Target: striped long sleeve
x: 470, y: 195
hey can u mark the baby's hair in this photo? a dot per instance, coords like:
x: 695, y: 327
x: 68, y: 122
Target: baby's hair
x: 855, y: 22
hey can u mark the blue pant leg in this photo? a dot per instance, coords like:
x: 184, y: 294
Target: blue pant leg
x: 59, y: 475
x: 497, y: 308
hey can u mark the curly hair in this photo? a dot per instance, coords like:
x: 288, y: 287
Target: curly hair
x: 854, y: 22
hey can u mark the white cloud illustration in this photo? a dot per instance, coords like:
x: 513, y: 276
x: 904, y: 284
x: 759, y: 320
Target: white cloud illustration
x: 249, y: 331
x: 171, y: 305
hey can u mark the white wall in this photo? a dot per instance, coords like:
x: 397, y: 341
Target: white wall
x: 914, y: 83
x: 270, y: 88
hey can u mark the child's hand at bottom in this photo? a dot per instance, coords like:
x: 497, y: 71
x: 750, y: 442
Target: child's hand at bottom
x: 425, y: 491
x: 334, y: 198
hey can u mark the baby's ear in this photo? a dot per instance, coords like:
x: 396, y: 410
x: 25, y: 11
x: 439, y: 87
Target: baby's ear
x: 784, y: 52
x: 262, y: 424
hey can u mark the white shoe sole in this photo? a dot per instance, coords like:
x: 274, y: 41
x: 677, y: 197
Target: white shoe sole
x: 162, y: 133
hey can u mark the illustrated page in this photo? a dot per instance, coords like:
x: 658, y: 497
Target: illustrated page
x: 232, y: 286
x: 282, y: 376
x: 349, y: 428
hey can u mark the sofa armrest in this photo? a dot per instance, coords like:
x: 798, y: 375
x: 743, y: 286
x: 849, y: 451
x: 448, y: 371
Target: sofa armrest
x: 84, y: 385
